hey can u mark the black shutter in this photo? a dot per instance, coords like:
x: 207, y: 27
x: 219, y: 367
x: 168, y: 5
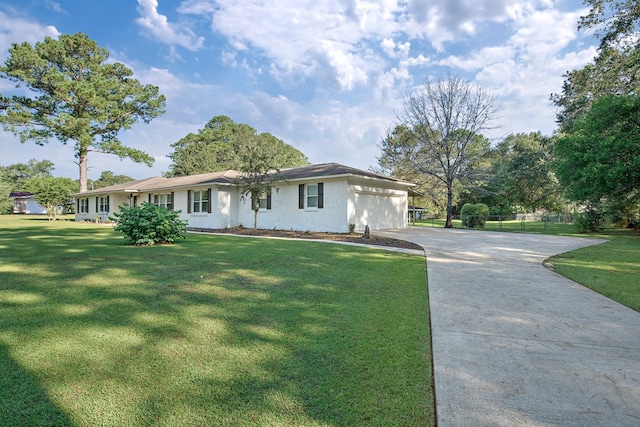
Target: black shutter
x: 170, y: 207
x: 108, y: 205
x: 149, y: 197
x: 77, y: 205
x: 96, y: 204
x: 301, y: 196
x: 209, y: 197
x: 188, y: 201
x: 268, y: 200
x: 320, y: 195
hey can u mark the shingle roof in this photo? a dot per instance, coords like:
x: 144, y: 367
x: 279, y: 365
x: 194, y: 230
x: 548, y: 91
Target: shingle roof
x: 325, y: 170
x: 20, y: 194
x: 332, y: 170
x: 159, y: 183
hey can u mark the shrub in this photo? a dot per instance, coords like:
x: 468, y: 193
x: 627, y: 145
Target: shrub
x: 474, y: 215
x: 589, y: 221
x: 149, y: 224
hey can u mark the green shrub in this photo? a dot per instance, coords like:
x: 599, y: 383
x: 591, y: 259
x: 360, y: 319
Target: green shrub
x: 474, y: 215
x: 149, y: 224
x: 589, y: 221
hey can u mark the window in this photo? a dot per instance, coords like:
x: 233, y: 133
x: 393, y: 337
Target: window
x: 199, y: 201
x: 102, y: 204
x: 264, y: 202
x: 311, y: 196
x: 164, y: 200
x: 83, y: 205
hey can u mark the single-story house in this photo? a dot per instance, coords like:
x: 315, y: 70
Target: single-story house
x: 324, y: 197
x: 25, y: 203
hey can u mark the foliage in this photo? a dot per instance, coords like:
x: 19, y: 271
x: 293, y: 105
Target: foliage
x: 18, y: 174
x: 6, y: 204
x: 615, y: 71
x: 217, y: 331
x: 616, y: 20
x: 108, y: 178
x: 219, y: 145
x: 51, y: 192
x: 440, y: 133
x: 258, y: 165
x: 590, y: 221
x: 149, y: 224
x: 474, y: 215
x: 395, y: 160
x: 521, y: 176
x: 598, y: 159
x: 80, y: 96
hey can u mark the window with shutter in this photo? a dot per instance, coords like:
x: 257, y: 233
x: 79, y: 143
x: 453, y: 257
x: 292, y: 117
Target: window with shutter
x: 301, y: 196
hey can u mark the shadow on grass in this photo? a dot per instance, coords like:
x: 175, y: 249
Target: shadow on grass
x: 23, y: 402
x: 216, y: 331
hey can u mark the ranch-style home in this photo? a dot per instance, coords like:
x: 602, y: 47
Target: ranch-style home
x: 323, y: 197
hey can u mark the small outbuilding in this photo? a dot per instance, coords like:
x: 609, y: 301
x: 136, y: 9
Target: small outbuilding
x: 25, y: 203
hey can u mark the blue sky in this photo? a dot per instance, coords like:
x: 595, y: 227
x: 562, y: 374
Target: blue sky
x: 326, y: 76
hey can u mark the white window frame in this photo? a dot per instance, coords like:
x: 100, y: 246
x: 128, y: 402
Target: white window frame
x: 103, y: 204
x: 83, y: 205
x: 309, y: 196
x: 198, y: 201
x: 165, y: 200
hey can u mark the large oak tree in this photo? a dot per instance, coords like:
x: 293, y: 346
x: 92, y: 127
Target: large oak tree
x: 74, y: 93
x: 221, y: 145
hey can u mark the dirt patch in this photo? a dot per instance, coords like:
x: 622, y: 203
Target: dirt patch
x: 339, y: 237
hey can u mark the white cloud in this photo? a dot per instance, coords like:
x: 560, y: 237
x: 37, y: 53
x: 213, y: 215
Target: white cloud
x: 159, y: 27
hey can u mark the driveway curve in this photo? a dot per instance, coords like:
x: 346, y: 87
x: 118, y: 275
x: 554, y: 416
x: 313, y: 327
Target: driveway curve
x: 515, y: 344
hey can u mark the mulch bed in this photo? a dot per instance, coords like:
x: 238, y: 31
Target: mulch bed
x: 339, y: 237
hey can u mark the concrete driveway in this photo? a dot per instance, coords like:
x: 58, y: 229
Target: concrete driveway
x: 515, y: 344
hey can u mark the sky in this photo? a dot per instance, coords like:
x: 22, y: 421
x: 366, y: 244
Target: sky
x: 327, y: 77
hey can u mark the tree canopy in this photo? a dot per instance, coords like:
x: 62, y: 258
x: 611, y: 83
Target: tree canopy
x: 522, y: 174
x: 51, y: 192
x: 439, y: 134
x: 221, y: 145
x: 616, y: 68
x: 108, y: 178
x: 598, y: 158
x: 75, y: 94
x: 16, y: 175
x: 616, y: 20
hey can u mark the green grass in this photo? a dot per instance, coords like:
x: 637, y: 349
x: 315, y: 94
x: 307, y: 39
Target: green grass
x: 216, y: 330
x: 513, y: 226
x: 611, y: 268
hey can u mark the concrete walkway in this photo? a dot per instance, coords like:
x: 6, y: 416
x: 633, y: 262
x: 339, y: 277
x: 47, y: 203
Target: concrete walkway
x: 515, y: 344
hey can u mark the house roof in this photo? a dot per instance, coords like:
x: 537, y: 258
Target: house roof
x: 328, y: 170
x: 161, y: 183
x: 20, y: 194
x: 324, y: 170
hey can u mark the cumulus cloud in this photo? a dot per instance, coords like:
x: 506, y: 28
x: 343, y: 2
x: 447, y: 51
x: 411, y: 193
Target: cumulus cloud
x: 157, y: 26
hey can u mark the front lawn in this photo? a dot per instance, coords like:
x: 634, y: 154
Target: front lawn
x: 216, y: 330
x: 611, y: 268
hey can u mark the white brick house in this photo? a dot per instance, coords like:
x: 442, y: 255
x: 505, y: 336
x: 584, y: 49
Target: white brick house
x: 324, y: 197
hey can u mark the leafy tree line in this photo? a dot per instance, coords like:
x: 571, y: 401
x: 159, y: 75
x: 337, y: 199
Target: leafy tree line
x: 593, y: 161
x: 598, y: 145
x: 37, y: 177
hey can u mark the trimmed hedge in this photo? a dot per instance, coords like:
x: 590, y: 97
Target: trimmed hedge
x: 474, y: 215
x: 149, y: 224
